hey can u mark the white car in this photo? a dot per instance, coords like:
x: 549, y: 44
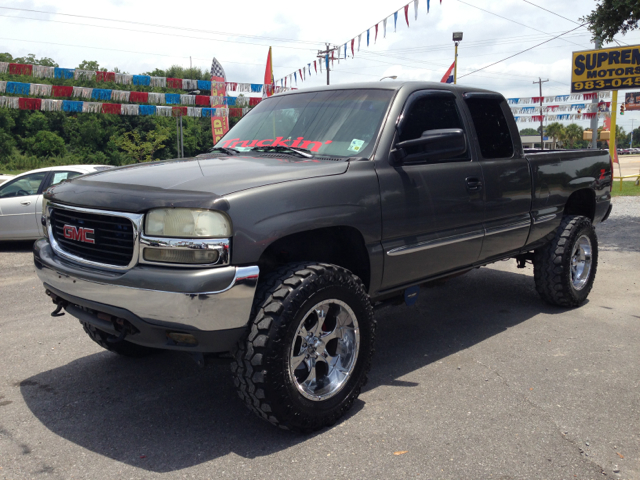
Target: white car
x: 21, y: 199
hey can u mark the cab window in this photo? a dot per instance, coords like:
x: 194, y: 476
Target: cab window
x: 430, y: 112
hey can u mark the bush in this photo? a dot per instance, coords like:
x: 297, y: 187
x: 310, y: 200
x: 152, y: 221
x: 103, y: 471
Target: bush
x: 45, y: 144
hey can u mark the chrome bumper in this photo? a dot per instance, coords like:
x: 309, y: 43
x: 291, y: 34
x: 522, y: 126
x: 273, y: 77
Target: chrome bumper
x: 207, y: 300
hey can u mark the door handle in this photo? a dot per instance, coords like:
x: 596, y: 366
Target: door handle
x: 25, y: 202
x: 473, y: 183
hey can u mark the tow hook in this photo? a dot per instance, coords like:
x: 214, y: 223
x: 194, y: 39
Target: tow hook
x: 59, y: 302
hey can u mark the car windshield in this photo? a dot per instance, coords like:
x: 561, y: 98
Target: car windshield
x: 339, y: 123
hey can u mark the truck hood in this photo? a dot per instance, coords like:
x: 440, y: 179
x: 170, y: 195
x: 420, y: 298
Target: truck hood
x: 192, y: 182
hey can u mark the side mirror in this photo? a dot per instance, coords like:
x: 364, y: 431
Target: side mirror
x: 432, y: 145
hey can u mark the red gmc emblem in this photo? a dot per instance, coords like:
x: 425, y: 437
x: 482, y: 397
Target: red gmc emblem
x: 79, y: 234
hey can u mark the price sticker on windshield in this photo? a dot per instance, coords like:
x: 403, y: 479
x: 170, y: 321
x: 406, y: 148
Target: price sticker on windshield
x: 356, y: 145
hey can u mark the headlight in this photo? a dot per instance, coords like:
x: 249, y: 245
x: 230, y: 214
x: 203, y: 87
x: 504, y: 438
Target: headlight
x: 186, y: 223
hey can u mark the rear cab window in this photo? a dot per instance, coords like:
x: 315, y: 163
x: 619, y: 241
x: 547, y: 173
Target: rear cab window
x: 491, y: 127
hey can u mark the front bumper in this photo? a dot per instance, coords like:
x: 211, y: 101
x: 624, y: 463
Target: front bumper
x: 212, y: 304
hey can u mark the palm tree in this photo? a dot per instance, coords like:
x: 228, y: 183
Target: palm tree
x: 573, y: 133
x: 556, y: 131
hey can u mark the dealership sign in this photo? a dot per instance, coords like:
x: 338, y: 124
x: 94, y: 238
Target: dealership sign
x: 607, y: 69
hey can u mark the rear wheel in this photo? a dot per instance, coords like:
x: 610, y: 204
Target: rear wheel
x: 565, y: 268
x: 111, y: 343
x: 309, y: 347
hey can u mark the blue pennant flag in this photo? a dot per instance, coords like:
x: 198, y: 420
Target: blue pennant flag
x: 395, y: 21
x: 449, y: 79
x: 367, y: 37
x: 147, y: 110
x: 295, y: 76
x: 326, y: 60
x: 427, y: 6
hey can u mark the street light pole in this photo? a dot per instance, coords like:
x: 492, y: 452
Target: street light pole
x: 457, y: 38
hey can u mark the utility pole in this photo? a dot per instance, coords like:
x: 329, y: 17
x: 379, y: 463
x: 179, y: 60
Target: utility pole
x: 540, y: 82
x: 594, y: 120
x: 323, y: 55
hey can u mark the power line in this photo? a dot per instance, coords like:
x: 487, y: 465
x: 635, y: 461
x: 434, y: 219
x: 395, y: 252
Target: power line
x: 131, y: 51
x: 173, y: 35
x: 512, y: 21
x: 159, y: 25
x: 553, y: 13
x: 558, y: 15
x: 523, y: 51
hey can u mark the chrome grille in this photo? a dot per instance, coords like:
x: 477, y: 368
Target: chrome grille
x: 114, y: 236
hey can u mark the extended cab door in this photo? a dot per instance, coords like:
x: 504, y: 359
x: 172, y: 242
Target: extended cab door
x: 432, y: 207
x: 507, y: 177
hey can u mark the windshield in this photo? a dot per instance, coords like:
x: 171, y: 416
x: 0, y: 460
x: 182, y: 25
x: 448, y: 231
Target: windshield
x: 339, y: 123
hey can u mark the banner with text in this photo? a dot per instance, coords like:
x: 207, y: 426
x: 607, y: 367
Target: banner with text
x: 615, y: 68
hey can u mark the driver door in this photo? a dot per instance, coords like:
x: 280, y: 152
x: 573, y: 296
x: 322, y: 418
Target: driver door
x: 19, y: 200
x: 432, y: 210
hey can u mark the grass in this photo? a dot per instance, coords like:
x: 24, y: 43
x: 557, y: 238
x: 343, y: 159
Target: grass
x: 629, y: 189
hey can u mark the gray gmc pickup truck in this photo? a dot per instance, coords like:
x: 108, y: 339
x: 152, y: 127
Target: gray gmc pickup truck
x: 317, y: 206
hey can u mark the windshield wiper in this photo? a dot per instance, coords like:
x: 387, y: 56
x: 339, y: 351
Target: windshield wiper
x: 228, y: 151
x: 301, y: 152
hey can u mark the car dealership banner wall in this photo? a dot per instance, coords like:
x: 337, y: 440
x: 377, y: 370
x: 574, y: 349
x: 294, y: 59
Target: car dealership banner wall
x: 606, y: 69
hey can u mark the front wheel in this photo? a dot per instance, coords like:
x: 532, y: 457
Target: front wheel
x: 308, y: 351
x: 565, y: 268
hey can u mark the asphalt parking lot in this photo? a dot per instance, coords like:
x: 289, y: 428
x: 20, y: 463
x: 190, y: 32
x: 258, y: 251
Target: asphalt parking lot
x: 479, y: 380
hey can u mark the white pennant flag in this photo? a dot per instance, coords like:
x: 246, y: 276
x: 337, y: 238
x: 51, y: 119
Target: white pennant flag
x: 415, y: 8
x: 359, y: 37
x: 384, y: 28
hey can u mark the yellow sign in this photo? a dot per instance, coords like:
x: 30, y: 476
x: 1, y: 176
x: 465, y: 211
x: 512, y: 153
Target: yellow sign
x: 607, y: 69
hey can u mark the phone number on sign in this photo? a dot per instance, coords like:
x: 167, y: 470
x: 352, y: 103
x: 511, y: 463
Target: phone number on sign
x: 605, y: 84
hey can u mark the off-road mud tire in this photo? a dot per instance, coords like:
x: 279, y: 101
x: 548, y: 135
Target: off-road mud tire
x: 260, y: 366
x: 552, y: 263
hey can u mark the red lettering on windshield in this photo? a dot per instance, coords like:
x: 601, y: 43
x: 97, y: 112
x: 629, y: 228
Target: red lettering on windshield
x: 316, y: 145
x: 226, y: 144
x: 280, y: 143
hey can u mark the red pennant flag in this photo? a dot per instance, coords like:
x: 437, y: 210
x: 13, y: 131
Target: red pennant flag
x: 406, y: 13
x: 448, y: 74
x: 300, y: 72
x: 376, y: 38
x: 332, y: 52
x: 352, y: 40
x: 268, y: 74
x: 315, y: 66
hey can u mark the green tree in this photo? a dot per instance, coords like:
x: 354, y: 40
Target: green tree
x: 529, y: 131
x: 139, y: 149
x: 573, y: 134
x: 556, y: 131
x: 621, y: 136
x: 32, y: 60
x: 45, y: 144
x: 611, y: 17
x: 6, y: 57
x: 89, y: 65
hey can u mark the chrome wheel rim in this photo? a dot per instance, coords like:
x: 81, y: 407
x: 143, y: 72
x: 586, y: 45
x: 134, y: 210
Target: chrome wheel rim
x: 324, y: 350
x: 581, y: 259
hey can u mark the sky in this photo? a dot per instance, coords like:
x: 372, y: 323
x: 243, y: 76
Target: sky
x: 147, y: 35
